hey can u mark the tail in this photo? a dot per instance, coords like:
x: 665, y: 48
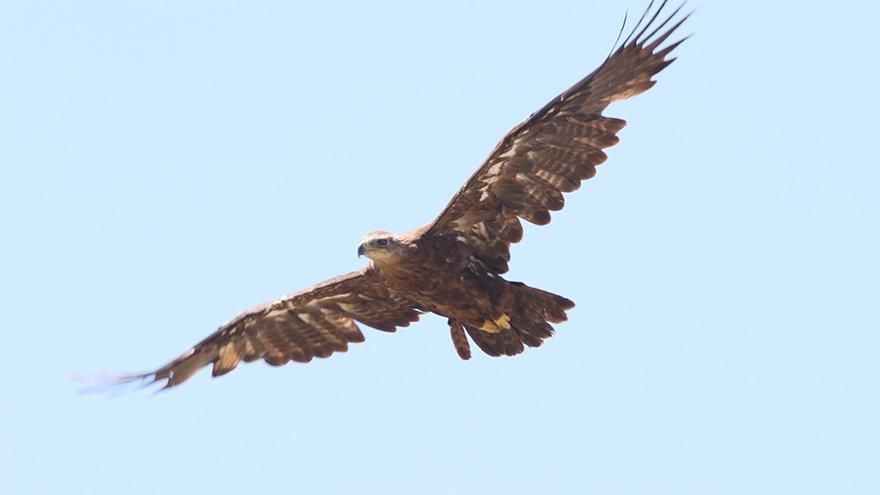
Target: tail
x: 530, y: 311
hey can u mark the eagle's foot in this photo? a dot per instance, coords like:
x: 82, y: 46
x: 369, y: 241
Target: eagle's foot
x: 496, y: 325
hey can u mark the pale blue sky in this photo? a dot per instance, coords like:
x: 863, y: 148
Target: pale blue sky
x: 165, y: 165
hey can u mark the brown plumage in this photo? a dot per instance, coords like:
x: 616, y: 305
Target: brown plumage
x: 453, y: 265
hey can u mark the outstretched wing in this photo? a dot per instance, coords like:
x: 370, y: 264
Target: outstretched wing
x: 313, y: 323
x: 554, y: 149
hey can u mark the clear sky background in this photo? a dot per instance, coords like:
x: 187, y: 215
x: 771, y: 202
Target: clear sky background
x: 165, y: 165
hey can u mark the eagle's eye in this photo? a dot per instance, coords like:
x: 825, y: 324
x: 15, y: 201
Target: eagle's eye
x: 382, y: 242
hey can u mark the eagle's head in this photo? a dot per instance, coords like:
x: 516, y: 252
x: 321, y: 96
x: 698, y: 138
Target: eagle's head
x: 380, y: 246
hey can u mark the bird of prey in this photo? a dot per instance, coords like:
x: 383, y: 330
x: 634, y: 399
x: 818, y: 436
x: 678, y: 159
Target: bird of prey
x: 453, y: 266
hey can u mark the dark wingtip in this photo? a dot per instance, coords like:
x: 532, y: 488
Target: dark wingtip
x: 651, y: 22
x: 112, y: 383
x: 619, y: 34
x: 638, y: 24
x: 666, y: 34
x: 640, y: 35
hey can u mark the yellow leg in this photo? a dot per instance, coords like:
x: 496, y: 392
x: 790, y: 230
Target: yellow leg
x: 499, y: 324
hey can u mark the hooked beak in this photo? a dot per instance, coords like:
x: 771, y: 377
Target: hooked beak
x: 360, y: 250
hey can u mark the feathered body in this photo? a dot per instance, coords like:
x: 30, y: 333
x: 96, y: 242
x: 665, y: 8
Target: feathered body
x: 453, y: 266
x: 441, y: 274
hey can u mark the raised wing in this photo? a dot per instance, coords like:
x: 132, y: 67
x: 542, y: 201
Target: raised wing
x: 313, y: 323
x: 555, y: 149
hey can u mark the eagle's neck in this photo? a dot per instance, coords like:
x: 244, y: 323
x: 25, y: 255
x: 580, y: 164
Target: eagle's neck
x: 406, y: 269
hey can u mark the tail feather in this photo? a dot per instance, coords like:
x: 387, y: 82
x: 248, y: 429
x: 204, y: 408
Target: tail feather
x: 532, y: 331
x: 530, y: 323
x: 513, y: 344
x: 487, y: 342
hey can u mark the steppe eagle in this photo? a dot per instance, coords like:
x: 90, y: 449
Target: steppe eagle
x: 453, y: 265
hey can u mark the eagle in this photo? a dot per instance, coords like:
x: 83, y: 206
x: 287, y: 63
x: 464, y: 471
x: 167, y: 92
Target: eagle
x: 453, y: 266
